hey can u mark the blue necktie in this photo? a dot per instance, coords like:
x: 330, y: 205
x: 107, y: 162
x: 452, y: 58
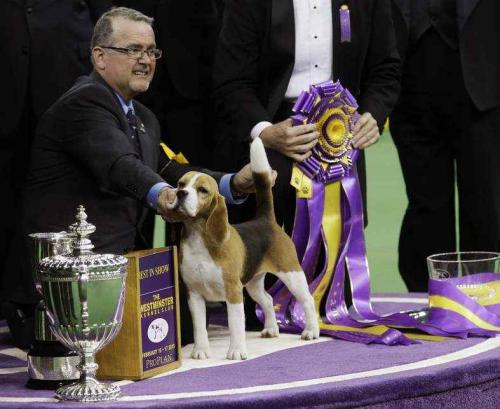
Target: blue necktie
x: 134, y: 123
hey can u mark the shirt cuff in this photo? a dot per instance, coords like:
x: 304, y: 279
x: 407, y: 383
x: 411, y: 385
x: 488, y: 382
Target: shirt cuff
x: 225, y: 190
x: 154, y: 192
x: 257, y: 129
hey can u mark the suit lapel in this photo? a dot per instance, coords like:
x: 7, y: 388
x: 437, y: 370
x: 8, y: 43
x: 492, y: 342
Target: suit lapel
x: 342, y: 52
x: 464, y: 9
x: 283, y: 26
x: 281, y: 47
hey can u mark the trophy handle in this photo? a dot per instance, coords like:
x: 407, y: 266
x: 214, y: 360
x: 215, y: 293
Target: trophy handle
x: 83, y: 279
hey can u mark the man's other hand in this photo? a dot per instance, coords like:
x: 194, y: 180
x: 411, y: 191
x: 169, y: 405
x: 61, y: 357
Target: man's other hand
x: 295, y: 142
x: 365, y: 132
x: 243, y: 181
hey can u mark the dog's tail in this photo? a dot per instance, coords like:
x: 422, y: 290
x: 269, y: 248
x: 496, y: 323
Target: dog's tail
x: 262, y: 178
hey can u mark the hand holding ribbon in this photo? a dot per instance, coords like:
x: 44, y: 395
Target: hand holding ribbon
x: 294, y: 142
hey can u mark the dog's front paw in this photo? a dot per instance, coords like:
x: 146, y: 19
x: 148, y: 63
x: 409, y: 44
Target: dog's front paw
x: 271, y: 332
x: 200, y: 352
x: 309, y: 334
x: 237, y: 353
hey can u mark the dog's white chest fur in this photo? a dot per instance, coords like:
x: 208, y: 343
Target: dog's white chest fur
x: 198, y: 269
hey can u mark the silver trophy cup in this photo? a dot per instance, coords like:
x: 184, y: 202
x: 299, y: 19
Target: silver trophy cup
x: 84, y: 294
x: 50, y: 364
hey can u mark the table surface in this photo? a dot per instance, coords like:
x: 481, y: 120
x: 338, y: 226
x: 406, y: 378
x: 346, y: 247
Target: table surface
x: 288, y: 372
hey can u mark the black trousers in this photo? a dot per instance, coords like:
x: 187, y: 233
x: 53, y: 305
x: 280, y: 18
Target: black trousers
x: 15, y: 153
x: 443, y: 141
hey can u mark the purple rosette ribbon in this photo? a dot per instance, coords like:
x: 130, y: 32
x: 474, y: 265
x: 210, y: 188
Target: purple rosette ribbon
x: 329, y: 238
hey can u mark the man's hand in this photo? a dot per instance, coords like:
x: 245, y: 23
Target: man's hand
x: 365, y: 132
x: 166, y: 199
x: 243, y: 181
x: 295, y: 142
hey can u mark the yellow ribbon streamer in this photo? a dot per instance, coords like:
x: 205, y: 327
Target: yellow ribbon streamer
x: 332, y: 229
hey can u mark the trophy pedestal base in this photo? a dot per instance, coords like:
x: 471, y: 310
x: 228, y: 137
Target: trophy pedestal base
x: 44, y: 384
x: 88, y: 391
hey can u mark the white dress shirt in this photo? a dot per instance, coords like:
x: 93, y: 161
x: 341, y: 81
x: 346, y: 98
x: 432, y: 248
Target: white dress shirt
x: 313, y: 50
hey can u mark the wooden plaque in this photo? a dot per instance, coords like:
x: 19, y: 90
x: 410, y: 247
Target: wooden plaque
x: 149, y: 341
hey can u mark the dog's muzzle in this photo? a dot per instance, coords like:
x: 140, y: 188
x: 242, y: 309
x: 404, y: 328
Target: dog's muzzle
x: 181, y: 194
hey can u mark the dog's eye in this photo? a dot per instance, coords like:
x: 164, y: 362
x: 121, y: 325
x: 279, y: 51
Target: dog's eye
x: 181, y: 185
x: 201, y: 189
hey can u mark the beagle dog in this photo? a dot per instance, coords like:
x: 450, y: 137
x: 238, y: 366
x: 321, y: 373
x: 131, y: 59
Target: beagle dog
x: 218, y: 260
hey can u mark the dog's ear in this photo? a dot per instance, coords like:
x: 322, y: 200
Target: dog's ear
x: 217, y: 227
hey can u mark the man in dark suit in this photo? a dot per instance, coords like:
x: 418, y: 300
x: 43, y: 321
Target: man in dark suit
x: 271, y: 50
x: 45, y: 47
x: 446, y: 127
x: 99, y: 147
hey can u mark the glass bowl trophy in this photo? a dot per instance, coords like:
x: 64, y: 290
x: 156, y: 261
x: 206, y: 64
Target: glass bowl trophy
x: 468, y: 271
x: 84, y: 295
x: 50, y: 364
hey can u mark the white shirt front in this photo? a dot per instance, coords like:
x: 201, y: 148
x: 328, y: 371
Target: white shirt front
x: 313, y: 50
x: 313, y: 45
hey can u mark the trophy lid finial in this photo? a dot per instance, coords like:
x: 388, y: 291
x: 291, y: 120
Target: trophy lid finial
x: 81, y: 229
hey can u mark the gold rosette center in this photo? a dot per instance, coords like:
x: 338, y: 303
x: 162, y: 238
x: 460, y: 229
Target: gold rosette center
x: 333, y: 126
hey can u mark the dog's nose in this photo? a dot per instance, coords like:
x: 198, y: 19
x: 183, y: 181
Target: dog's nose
x: 181, y: 194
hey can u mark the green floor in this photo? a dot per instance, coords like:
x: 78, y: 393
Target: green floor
x: 386, y: 204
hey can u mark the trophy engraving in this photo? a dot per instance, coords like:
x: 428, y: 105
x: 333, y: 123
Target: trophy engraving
x: 84, y: 294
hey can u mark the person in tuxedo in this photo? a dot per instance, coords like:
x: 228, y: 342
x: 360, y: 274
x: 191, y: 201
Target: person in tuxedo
x: 271, y: 50
x: 99, y: 147
x: 45, y: 47
x: 446, y: 128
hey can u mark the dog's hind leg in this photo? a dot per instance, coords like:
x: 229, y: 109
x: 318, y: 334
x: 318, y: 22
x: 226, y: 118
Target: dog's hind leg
x: 297, y: 284
x: 198, y: 312
x: 255, y: 288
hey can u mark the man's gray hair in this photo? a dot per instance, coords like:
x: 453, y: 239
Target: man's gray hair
x: 103, y: 29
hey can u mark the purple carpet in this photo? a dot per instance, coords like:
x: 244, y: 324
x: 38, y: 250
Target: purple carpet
x: 329, y: 374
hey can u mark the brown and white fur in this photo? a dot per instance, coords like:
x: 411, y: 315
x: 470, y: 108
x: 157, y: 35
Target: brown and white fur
x: 218, y: 260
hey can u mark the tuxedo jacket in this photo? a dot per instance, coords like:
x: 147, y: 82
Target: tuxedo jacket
x: 479, y: 44
x: 45, y: 48
x: 255, y: 59
x: 83, y: 153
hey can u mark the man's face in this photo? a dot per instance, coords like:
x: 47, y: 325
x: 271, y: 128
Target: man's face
x: 126, y: 75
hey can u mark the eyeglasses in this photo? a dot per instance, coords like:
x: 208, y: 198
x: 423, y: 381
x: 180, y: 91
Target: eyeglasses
x: 137, y: 53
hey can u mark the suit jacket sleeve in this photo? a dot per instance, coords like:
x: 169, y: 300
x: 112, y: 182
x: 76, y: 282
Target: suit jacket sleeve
x: 236, y: 71
x: 89, y: 131
x: 381, y: 75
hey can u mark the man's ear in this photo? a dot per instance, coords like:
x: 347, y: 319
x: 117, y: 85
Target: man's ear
x: 217, y: 227
x: 98, y: 58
